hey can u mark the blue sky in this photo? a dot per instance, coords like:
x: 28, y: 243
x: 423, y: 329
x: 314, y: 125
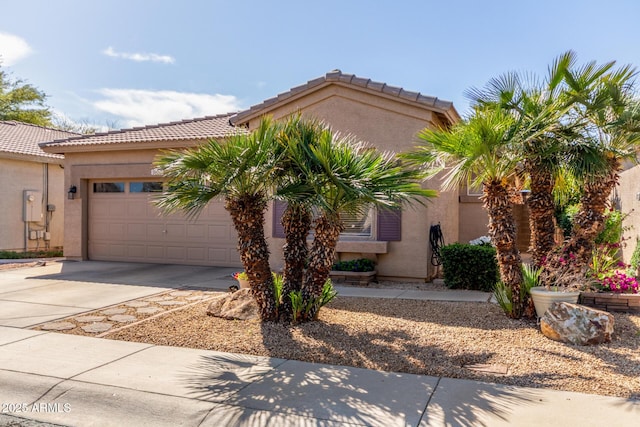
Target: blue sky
x: 135, y: 62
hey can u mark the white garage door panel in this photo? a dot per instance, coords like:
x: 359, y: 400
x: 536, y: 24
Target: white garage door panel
x: 128, y: 227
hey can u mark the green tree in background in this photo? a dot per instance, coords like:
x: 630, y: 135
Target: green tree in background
x: 22, y: 102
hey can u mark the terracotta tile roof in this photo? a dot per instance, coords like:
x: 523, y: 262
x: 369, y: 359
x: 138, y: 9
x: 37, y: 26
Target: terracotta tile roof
x: 192, y: 129
x: 443, y: 108
x: 17, y: 138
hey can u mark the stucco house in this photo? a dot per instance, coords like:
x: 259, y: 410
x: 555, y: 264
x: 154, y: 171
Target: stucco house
x: 110, y: 217
x: 32, y: 190
x: 627, y: 199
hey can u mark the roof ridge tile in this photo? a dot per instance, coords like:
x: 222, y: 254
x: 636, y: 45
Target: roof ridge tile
x: 337, y: 75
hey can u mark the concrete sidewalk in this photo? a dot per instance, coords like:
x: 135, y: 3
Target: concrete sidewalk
x: 74, y: 380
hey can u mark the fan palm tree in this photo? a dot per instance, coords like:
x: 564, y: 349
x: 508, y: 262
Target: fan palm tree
x: 241, y: 169
x: 480, y: 151
x: 606, y: 106
x: 296, y: 137
x: 348, y: 176
x: 539, y: 109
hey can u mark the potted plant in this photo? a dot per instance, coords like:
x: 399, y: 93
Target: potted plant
x: 562, y: 279
x: 242, y: 278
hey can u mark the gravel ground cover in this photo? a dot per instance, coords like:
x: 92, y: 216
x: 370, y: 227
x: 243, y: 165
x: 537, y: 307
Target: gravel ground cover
x: 451, y: 339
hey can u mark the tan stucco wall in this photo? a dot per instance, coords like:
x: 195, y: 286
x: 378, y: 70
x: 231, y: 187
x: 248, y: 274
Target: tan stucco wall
x: 473, y: 218
x: 628, y: 191
x: 17, y: 176
x: 390, y: 125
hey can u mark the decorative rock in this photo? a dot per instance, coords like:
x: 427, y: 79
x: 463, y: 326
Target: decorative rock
x: 196, y: 297
x: 96, y: 328
x: 180, y: 293
x: 577, y: 324
x: 112, y: 311
x: 149, y: 310
x: 123, y: 318
x: 239, y: 305
x: 89, y: 319
x: 167, y: 303
x: 58, y: 326
x: 136, y: 304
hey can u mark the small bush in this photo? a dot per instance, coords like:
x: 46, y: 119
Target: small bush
x: 361, y: 264
x: 302, y: 309
x: 30, y: 254
x: 503, y: 294
x: 565, y: 219
x: 613, y: 228
x: 470, y: 266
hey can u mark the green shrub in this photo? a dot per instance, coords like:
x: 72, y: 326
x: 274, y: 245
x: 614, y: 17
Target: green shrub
x: 470, y: 266
x: 565, y: 219
x: 613, y: 229
x: 302, y: 309
x: 361, y: 264
x: 30, y: 254
x: 503, y: 294
x: 635, y: 257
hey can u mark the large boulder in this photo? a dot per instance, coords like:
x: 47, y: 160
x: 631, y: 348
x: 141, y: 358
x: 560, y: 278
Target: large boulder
x: 239, y: 305
x: 576, y: 324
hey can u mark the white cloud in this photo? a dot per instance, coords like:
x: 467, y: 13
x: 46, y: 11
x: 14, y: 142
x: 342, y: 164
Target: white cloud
x: 12, y: 49
x: 143, y: 107
x: 139, y: 57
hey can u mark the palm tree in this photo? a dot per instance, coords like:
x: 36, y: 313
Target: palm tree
x: 297, y: 136
x: 605, y: 105
x: 349, y: 176
x: 240, y: 169
x: 538, y: 108
x: 480, y: 151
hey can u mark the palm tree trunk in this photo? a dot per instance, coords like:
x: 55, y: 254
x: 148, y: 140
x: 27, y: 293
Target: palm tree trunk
x: 541, y: 212
x: 247, y: 213
x: 322, y: 256
x: 589, y: 221
x: 502, y: 231
x: 297, y: 223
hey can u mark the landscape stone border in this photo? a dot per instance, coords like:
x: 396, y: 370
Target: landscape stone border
x: 607, y: 301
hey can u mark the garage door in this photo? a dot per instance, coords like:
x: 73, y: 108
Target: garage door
x: 125, y: 226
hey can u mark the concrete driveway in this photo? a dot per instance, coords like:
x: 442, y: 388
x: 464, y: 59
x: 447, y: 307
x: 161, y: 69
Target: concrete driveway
x: 30, y: 296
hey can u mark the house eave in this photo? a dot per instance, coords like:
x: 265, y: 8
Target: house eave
x: 57, y: 160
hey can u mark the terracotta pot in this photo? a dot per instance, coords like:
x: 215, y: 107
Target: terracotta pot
x: 543, y: 298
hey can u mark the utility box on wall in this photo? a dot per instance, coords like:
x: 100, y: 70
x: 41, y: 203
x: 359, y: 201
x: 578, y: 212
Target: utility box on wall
x: 32, y: 206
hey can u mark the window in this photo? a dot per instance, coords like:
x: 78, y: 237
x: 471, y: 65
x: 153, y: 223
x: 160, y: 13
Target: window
x: 387, y: 228
x: 357, y: 223
x: 145, y: 187
x: 108, y: 187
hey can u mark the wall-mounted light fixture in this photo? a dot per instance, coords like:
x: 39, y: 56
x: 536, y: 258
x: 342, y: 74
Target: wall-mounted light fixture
x: 71, y: 194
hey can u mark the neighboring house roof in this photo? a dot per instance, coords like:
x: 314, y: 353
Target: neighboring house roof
x: 186, y: 130
x: 443, y: 109
x: 20, y: 140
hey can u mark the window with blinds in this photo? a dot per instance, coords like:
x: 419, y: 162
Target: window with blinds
x: 357, y: 224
